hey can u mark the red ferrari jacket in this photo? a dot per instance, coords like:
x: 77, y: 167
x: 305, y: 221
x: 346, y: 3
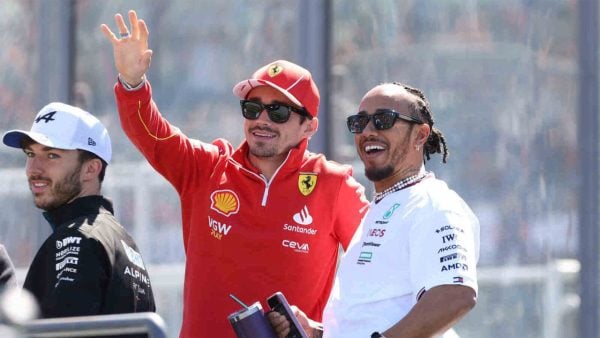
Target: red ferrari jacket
x: 244, y: 235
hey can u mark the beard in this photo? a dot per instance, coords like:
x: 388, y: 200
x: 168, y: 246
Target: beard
x: 399, y: 156
x: 261, y: 150
x: 378, y: 174
x: 62, y: 191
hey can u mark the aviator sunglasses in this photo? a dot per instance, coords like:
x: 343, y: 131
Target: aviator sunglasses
x: 278, y: 113
x: 382, y: 119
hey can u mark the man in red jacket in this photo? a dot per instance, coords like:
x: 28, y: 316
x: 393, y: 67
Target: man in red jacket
x: 268, y: 216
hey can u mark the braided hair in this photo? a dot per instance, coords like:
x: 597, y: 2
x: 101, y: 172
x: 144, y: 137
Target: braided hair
x: 436, y: 143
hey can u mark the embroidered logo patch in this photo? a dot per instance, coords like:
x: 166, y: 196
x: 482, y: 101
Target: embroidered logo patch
x: 225, y: 202
x: 307, y: 183
x: 274, y: 70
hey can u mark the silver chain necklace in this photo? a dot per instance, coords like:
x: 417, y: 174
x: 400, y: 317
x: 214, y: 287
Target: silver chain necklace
x: 403, y: 183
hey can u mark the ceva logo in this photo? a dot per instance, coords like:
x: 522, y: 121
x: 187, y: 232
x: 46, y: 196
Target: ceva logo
x: 296, y: 246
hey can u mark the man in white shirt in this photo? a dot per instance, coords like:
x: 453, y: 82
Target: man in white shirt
x: 410, y: 270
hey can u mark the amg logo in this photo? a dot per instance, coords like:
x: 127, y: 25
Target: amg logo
x: 455, y: 266
x: 298, y: 247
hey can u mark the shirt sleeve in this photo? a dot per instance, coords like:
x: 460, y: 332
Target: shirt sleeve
x: 443, y: 250
x: 351, y: 208
x: 175, y: 156
x: 82, y: 275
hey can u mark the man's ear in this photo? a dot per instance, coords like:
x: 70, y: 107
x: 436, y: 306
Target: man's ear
x: 311, y: 127
x: 423, y: 132
x: 91, y: 169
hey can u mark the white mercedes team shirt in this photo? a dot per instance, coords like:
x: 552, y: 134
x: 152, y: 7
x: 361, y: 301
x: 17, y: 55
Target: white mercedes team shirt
x: 411, y: 241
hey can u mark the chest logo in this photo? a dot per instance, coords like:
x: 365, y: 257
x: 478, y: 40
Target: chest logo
x: 307, y: 183
x: 225, y: 202
x: 390, y: 211
x: 303, y: 217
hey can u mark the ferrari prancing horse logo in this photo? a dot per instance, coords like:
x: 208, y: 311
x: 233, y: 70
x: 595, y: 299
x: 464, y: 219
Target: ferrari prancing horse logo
x: 274, y: 70
x: 307, y: 183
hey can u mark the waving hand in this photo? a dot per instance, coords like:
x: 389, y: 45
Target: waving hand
x: 130, y: 49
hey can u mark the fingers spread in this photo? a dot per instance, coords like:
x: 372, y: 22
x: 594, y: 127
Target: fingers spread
x: 143, y: 30
x: 108, y: 33
x: 133, y: 22
x: 121, y: 24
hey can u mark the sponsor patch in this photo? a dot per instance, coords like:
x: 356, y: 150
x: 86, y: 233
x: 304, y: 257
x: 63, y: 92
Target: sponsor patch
x: 307, y: 183
x: 225, y: 202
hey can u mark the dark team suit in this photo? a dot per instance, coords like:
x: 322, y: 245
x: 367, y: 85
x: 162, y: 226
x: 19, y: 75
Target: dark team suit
x: 245, y: 235
x: 89, y: 265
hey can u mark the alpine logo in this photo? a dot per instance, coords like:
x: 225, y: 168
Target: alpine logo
x: 91, y: 142
x: 134, y: 256
x: 303, y: 217
x: 46, y: 117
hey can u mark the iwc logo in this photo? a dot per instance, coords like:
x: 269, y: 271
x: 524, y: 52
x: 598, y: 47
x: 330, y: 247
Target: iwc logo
x: 307, y: 183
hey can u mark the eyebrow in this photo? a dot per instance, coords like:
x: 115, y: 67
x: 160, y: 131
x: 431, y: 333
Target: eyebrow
x: 44, y: 148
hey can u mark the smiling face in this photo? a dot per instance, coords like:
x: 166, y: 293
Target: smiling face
x: 391, y: 154
x: 54, y: 175
x: 270, y: 141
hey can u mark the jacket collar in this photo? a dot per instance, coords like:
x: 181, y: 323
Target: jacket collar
x: 292, y: 162
x: 82, y: 206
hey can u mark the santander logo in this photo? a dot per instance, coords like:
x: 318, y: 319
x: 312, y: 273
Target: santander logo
x: 303, y: 217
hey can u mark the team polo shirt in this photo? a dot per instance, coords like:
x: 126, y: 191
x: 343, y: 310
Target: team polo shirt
x: 411, y: 241
x: 243, y: 235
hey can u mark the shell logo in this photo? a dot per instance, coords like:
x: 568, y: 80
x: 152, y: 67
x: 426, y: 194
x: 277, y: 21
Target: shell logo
x: 225, y: 202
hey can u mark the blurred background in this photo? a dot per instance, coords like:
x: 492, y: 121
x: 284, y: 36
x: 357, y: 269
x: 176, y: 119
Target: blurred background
x: 503, y: 79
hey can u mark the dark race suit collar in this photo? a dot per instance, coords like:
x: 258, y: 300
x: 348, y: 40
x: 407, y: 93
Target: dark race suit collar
x: 82, y: 206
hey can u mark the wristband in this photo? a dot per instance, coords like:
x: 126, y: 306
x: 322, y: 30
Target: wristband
x: 129, y: 87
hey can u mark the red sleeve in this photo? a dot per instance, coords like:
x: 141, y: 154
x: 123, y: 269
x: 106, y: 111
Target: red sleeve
x: 175, y: 156
x: 352, y: 206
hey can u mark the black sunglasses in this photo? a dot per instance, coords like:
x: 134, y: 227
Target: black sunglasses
x: 278, y: 113
x: 382, y: 119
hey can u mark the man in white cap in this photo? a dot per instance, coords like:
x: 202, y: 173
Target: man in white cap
x: 268, y: 216
x: 89, y: 265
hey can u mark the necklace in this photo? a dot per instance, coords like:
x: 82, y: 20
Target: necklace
x: 403, y: 183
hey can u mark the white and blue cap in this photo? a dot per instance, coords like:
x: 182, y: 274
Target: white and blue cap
x: 62, y: 126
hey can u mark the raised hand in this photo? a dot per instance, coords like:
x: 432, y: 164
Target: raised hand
x: 130, y: 49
